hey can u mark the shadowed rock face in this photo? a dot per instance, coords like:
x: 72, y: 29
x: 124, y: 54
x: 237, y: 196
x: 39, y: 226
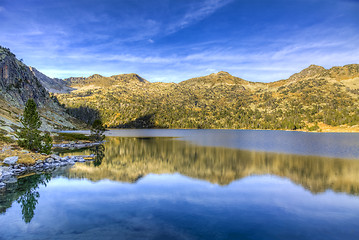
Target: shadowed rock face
x: 129, y: 159
x: 18, y: 83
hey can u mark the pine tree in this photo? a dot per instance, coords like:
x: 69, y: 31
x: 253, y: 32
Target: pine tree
x: 30, y: 136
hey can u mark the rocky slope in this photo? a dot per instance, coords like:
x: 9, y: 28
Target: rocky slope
x: 17, y: 85
x: 53, y: 85
x: 313, y: 97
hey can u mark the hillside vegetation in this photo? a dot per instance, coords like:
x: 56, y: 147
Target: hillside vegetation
x: 311, y: 98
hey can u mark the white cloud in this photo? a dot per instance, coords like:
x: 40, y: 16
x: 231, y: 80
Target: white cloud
x: 197, y: 12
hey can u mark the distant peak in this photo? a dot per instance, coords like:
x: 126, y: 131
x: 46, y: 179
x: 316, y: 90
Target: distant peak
x: 313, y: 66
x: 310, y: 71
x: 129, y: 77
x: 95, y: 76
x: 222, y: 73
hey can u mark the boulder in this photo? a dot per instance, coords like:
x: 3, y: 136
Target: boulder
x: 11, y: 160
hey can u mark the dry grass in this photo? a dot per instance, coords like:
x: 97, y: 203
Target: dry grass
x: 342, y: 128
x: 25, y: 157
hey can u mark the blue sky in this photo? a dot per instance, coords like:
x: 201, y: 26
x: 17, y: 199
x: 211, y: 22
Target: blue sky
x: 174, y: 40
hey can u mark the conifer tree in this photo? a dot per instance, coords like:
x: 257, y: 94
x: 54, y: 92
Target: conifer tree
x: 30, y: 136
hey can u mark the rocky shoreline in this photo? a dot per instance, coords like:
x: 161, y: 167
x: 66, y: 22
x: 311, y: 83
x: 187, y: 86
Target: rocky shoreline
x: 9, y: 174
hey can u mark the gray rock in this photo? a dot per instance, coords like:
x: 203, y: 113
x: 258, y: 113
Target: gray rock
x: 11, y: 160
x: 56, y: 157
x: 2, y: 184
x: 65, y: 158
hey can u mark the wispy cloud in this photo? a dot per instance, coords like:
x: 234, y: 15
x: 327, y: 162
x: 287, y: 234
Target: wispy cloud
x: 197, y: 11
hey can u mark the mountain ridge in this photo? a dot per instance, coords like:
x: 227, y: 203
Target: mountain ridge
x: 313, y: 96
x: 343, y: 72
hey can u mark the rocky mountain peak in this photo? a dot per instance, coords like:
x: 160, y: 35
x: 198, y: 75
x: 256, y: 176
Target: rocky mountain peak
x: 311, y: 71
x: 95, y: 76
x: 221, y: 73
x: 215, y: 79
x: 129, y: 77
x: 345, y: 72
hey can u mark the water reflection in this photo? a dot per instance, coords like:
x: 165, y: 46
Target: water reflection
x: 25, y: 192
x: 128, y: 159
x: 99, y: 152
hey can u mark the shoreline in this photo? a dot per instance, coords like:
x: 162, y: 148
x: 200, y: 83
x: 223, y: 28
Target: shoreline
x: 286, y: 130
x: 10, y: 173
x: 11, y: 169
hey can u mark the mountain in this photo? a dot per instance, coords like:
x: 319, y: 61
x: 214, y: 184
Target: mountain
x: 215, y: 79
x: 97, y: 80
x: 18, y: 84
x: 315, y: 98
x: 53, y: 85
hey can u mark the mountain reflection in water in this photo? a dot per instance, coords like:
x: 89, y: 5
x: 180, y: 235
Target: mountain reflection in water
x: 128, y: 159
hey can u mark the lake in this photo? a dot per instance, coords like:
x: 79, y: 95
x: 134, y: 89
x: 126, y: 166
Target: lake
x: 194, y: 184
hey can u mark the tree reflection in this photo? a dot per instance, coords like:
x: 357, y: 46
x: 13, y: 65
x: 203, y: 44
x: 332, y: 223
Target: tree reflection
x: 25, y: 192
x: 29, y: 198
x: 28, y: 203
x: 99, y: 151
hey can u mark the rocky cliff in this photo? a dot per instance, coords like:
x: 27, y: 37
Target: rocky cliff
x: 18, y: 84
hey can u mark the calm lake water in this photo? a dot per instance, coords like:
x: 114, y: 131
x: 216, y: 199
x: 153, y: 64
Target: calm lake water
x: 194, y: 184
